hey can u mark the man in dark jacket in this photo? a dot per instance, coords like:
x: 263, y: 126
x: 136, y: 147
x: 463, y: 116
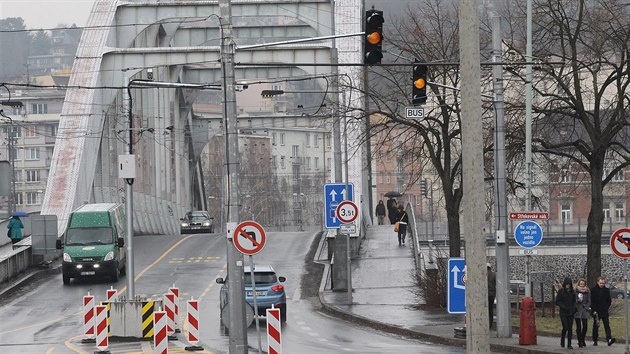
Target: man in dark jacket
x: 492, y: 292
x: 600, y: 303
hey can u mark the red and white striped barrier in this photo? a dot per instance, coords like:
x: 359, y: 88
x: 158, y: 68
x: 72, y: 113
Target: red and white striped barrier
x: 111, y: 295
x: 274, y: 331
x: 160, y: 338
x: 88, y: 316
x: 169, y: 308
x: 193, y: 321
x: 101, y: 327
x: 175, y: 291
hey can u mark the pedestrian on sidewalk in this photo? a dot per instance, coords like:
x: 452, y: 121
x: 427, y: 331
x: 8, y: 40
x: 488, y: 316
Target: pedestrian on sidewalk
x: 492, y: 292
x: 566, y: 299
x: 583, y: 304
x: 392, y: 210
x: 600, y: 303
x: 380, y: 212
x: 15, y: 227
x: 403, y: 219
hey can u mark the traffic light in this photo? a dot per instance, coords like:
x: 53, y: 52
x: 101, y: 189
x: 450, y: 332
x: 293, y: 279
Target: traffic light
x: 373, y: 41
x: 419, y: 91
x: 423, y: 187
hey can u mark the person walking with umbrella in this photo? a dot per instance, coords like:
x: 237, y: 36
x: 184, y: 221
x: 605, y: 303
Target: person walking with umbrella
x: 15, y: 227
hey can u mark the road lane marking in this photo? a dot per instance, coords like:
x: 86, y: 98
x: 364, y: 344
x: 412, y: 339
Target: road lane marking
x: 50, y: 350
x: 71, y: 346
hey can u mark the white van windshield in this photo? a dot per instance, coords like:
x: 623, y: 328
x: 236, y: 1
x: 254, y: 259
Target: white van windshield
x: 89, y: 236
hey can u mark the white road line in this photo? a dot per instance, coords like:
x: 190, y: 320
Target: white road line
x: 301, y: 323
x: 306, y: 328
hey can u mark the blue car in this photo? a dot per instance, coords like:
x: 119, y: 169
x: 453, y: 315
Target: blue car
x: 269, y: 290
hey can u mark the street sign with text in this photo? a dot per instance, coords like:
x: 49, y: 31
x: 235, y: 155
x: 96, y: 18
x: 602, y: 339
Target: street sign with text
x: 414, y: 113
x: 528, y: 234
x: 529, y: 216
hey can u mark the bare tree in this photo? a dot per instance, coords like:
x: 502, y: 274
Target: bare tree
x: 580, y: 114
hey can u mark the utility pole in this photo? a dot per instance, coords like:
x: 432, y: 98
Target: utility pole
x: 131, y: 292
x: 528, y: 132
x: 477, y: 336
x: 502, y: 249
x: 236, y: 281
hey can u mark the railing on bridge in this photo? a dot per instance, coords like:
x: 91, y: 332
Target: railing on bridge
x: 14, y: 260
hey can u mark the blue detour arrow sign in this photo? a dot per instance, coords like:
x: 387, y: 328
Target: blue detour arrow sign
x: 456, y: 297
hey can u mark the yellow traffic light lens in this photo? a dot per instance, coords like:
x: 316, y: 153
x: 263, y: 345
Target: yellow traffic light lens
x: 374, y: 38
x: 420, y: 84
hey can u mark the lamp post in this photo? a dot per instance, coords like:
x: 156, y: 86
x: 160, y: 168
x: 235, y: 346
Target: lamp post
x: 11, y: 148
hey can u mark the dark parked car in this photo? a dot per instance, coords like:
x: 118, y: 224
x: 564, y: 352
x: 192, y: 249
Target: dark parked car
x: 269, y: 290
x: 617, y: 293
x: 196, y: 222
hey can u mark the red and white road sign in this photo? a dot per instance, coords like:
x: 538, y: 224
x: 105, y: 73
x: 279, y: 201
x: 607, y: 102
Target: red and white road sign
x: 347, y: 211
x: 102, y: 341
x: 160, y: 339
x: 529, y: 216
x: 175, y: 291
x: 111, y: 295
x: 620, y: 243
x: 169, y: 308
x: 249, y: 237
x: 193, y: 321
x: 274, y: 331
x: 88, y: 316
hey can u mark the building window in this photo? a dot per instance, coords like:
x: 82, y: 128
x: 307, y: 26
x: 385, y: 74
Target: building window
x: 32, y: 176
x: 328, y: 141
x: 282, y: 162
x: 16, y: 132
x: 418, y: 198
x: 619, y: 176
x: 282, y: 139
x: 53, y: 130
x: 380, y: 177
x: 31, y: 198
x: 308, y: 139
x: 308, y: 163
x: 328, y: 161
x: 273, y: 161
x: 316, y: 140
x: 30, y: 131
x: 316, y: 163
x: 565, y: 176
x: 619, y: 212
x: 39, y: 108
x: 296, y: 173
x: 262, y: 148
x: 388, y: 179
x: 294, y: 151
x: 19, y: 198
x: 273, y: 138
x: 606, y: 211
x: 32, y: 154
x: 565, y: 213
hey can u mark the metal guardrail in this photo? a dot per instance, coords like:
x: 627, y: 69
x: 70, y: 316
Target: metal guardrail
x: 15, y: 262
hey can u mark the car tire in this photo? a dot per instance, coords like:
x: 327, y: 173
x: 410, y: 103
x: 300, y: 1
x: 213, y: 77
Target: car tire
x: 66, y: 279
x: 619, y: 296
x: 283, y: 314
x: 114, y: 275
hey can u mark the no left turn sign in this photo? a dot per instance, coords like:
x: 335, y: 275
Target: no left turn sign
x: 620, y: 243
x: 249, y: 237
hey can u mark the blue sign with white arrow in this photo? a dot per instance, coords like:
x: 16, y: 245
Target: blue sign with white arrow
x: 528, y: 234
x: 335, y: 193
x: 456, y: 298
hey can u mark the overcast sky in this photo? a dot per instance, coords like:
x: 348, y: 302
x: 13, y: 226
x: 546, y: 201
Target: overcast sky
x: 47, y: 13
x: 50, y: 13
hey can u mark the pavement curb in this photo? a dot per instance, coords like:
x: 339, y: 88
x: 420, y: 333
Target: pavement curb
x: 31, y: 275
x: 389, y: 328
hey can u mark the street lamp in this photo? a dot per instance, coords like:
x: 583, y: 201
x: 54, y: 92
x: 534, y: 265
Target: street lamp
x: 11, y: 146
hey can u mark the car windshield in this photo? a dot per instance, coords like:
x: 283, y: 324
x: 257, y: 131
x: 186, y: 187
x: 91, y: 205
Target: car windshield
x: 261, y: 278
x: 89, y: 236
x: 197, y: 218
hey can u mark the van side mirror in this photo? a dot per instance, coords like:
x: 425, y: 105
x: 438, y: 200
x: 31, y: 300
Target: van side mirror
x: 58, y: 244
x: 220, y: 281
x: 282, y: 279
x: 120, y: 242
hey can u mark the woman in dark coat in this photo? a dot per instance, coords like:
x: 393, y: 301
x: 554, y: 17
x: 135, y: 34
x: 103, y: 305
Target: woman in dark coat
x: 566, y: 300
x: 15, y: 227
x: 403, y: 220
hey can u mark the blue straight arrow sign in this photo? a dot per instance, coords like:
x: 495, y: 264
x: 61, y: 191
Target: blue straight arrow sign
x: 335, y: 193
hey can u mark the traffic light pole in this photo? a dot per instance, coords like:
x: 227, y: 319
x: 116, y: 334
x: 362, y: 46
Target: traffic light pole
x: 236, y: 281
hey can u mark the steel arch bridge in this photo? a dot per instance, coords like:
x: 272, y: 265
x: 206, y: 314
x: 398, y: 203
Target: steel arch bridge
x: 177, y: 42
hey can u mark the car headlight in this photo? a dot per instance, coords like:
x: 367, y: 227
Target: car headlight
x: 185, y: 224
x: 66, y: 258
x: 109, y: 256
x: 206, y: 223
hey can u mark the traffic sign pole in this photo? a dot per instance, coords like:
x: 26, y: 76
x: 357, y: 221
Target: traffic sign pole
x: 251, y: 271
x: 620, y: 245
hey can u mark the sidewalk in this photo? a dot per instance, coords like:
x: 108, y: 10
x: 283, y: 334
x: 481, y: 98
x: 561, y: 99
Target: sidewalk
x: 382, y: 281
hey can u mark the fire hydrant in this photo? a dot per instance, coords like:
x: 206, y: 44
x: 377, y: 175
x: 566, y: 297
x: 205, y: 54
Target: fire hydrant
x: 527, y: 330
